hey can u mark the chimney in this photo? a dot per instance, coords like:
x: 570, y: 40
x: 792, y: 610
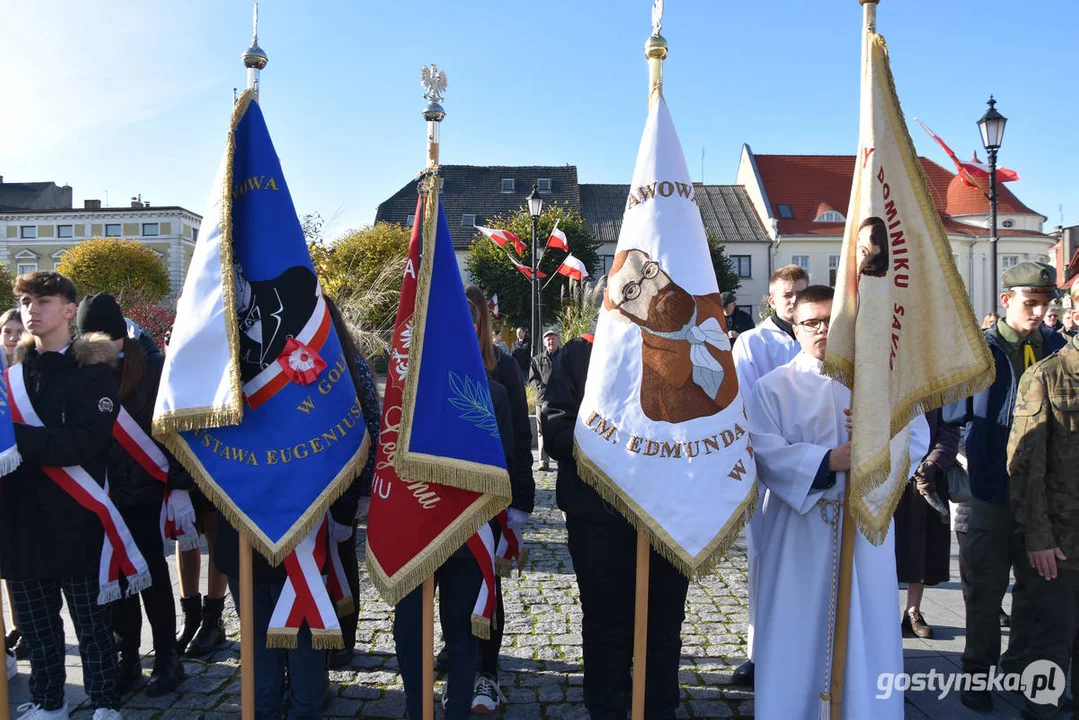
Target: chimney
x: 135, y: 202
x: 1, y: 179
x: 91, y: 204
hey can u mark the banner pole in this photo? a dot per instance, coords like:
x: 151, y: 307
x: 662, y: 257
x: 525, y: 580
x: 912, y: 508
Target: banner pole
x: 4, y: 712
x: 841, y: 630
x: 640, y: 626
x: 428, y: 648
x: 247, y: 632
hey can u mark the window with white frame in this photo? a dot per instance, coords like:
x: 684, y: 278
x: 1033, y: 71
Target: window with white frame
x: 65, y: 231
x: 507, y: 185
x: 28, y: 232
x: 1008, y: 223
x: 410, y: 220
x: 26, y: 267
x: 544, y: 185
x: 151, y: 229
x: 113, y: 230
x: 468, y: 220
x: 743, y: 265
x: 833, y: 269
x: 830, y: 216
x: 1008, y: 261
x: 801, y: 261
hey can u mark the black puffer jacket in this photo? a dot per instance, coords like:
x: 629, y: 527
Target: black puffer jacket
x: 129, y: 483
x: 44, y: 533
x: 520, y: 468
x: 558, y: 418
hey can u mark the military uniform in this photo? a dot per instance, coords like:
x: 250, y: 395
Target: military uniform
x: 1043, y: 464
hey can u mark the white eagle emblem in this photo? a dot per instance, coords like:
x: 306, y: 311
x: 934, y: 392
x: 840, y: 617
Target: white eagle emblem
x: 434, y: 82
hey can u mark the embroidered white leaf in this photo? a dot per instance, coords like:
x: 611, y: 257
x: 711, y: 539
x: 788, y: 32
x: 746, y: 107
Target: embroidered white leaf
x: 474, y: 403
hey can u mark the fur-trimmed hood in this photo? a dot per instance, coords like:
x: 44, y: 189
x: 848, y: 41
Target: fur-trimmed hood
x: 89, y: 349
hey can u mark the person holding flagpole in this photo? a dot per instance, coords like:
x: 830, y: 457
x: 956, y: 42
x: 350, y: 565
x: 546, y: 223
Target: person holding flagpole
x: 142, y: 491
x: 65, y: 402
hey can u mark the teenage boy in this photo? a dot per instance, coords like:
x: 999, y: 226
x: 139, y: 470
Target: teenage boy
x: 53, y: 511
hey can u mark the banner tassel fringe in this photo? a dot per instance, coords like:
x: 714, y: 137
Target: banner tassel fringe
x: 481, y: 627
x: 9, y: 460
x: 282, y: 638
x: 327, y: 639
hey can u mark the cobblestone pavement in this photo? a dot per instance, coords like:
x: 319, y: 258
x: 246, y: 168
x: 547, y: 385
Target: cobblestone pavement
x: 541, y: 671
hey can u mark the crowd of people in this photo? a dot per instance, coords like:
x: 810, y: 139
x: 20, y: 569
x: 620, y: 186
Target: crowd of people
x: 998, y: 469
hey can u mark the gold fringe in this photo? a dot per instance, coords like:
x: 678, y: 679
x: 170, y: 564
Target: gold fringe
x: 282, y: 638
x: 394, y: 589
x: 274, y: 553
x: 869, y: 477
x: 476, y: 477
x: 188, y: 419
x: 658, y: 538
x: 504, y: 566
x: 327, y: 639
x: 481, y: 627
x: 345, y: 606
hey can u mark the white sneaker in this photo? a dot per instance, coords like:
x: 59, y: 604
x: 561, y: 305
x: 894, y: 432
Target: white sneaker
x: 487, y: 696
x: 106, y: 714
x: 12, y: 666
x: 30, y: 711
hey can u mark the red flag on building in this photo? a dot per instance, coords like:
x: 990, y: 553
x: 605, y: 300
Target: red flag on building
x: 501, y: 237
x: 573, y: 268
x: 558, y: 239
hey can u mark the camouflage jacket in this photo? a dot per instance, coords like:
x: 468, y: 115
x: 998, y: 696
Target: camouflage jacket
x: 1043, y: 455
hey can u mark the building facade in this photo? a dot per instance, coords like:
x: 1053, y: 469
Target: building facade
x: 35, y: 238
x: 802, y: 201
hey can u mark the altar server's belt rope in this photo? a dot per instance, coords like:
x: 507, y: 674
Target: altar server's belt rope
x: 829, y: 512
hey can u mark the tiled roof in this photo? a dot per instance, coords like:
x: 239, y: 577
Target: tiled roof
x: 34, y: 196
x: 477, y: 190
x: 725, y: 209
x: 954, y: 227
x: 807, y: 182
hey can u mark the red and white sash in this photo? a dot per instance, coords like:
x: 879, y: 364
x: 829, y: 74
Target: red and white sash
x: 150, y: 458
x: 509, y: 551
x: 304, y: 597
x: 118, y: 551
x: 482, y: 545
x: 336, y: 582
x: 312, y: 337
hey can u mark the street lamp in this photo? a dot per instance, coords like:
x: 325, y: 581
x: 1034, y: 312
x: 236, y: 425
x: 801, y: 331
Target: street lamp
x: 535, y: 207
x: 992, y: 129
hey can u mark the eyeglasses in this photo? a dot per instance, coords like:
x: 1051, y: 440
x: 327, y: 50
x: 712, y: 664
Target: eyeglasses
x: 815, y: 325
x: 632, y: 290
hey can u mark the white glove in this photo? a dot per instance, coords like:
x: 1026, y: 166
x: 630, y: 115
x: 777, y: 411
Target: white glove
x: 516, y: 518
x: 180, y: 510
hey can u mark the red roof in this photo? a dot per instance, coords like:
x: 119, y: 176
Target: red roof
x: 806, y: 183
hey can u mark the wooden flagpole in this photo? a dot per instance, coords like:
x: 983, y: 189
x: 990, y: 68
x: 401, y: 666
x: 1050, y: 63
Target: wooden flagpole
x: 640, y: 626
x: 247, y: 632
x: 428, y: 648
x: 841, y: 630
x: 3, y: 671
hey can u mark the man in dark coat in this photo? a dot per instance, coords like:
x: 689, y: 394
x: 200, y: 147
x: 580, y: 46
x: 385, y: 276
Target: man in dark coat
x: 992, y: 546
x: 541, y: 372
x: 738, y: 321
x: 50, y: 542
x: 522, y: 351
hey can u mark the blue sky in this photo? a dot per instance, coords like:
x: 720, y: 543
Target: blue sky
x: 133, y: 97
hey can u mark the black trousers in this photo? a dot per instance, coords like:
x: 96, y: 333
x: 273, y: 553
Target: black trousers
x: 490, y: 648
x: 142, y: 521
x: 1055, y: 634
x: 38, y: 605
x: 988, y: 550
x: 350, y: 563
x: 604, y: 557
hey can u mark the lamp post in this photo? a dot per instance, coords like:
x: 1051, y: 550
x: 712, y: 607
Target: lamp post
x: 535, y: 207
x: 992, y: 129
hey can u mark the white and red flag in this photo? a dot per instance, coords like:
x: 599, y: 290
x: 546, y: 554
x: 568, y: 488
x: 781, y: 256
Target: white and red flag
x: 501, y: 237
x: 493, y: 302
x: 558, y: 240
x: 573, y: 268
x: 970, y: 169
x: 525, y: 270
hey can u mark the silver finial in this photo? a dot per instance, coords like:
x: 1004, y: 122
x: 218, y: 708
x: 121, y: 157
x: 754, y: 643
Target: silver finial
x: 254, y: 57
x: 434, y: 83
x: 657, y: 17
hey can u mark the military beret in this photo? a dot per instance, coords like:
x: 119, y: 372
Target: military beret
x: 1034, y: 275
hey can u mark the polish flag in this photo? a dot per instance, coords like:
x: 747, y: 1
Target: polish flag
x: 493, y: 302
x: 573, y: 268
x: 970, y: 169
x: 501, y: 237
x: 527, y: 271
x: 558, y: 239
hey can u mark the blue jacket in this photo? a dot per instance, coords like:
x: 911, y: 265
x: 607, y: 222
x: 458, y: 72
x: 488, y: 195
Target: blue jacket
x: 988, y: 416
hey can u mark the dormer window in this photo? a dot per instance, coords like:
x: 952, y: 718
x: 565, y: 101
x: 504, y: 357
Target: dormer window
x: 468, y: 220
x: 508, y: 185
x: 833, y: 216
x: 785, y: 211
x: 544, y: 185
x: 410, y: 221
x: 1008, y: 223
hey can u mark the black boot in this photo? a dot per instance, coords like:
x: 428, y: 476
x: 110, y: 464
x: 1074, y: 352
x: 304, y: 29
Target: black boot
x: 128, y: 671
x: 212, y: 630
x: 192, y: 610
x: 167, y: 675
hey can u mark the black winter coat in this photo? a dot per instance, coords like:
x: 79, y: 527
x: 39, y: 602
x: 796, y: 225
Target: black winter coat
x: 558, y: 418
x: 129, y: 483
x: 44, y: 533
x: 522, y: 355
x: 520, y: 468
